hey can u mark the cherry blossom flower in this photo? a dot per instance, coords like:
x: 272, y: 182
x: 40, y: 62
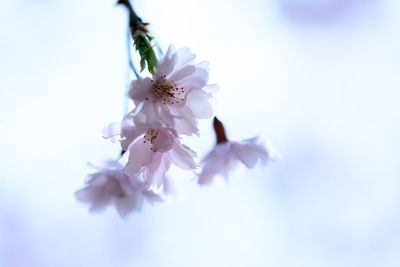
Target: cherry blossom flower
x: 177, y: 94
x: 227, y: 154
x: 152, y: 149
x: 168, y: 105
x: 151, y: 155
x: 111, y: 186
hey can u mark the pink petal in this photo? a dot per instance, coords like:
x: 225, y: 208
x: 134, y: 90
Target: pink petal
x: 139, y: 89
x: 140, y: 156
x: 182, y: 156
x: 129, y: 204
x: 246, y: 154
x: 185, y: 57
x: 152, y: 197
x: 186, y: 123
x: 249, y: 151
x: 197, y: 79
x: 167, y: 64
x: 211, y: 88
x: 111, y: 130
x: 162, y: 112
x: 198, y: 102
x: 182, y: 73
x: 157, y: 176
x: 146, y: 115
x: 165, y: 140
x: 213, y: 164
x: 130, y: 132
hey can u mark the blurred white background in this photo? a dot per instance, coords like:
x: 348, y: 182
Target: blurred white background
x: 319, y: 78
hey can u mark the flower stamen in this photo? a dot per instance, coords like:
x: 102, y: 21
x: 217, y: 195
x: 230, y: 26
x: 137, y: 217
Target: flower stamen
x: 151, y: 136
x: 167, y: 91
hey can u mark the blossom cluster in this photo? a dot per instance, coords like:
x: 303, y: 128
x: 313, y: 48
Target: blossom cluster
x: 167, y: 107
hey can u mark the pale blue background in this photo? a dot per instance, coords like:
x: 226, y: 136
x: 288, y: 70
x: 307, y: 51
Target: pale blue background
x: 319, y: 78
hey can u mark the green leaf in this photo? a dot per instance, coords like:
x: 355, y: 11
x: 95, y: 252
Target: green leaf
x: 142, y: 42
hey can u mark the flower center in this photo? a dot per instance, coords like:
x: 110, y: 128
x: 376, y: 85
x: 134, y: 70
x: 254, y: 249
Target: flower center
x: 151, y: 136
x: 167, y: 91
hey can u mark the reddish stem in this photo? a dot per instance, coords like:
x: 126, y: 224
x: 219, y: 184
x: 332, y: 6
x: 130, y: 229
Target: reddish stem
x: 219, y: 131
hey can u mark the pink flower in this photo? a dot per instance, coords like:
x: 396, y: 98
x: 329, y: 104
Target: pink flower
x: 151, y: 155
x: 152, y: 149
x: 111, y: 186
x: 177, y: 95
x: 227, y: 154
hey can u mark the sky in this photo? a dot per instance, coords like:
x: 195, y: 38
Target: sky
x: 317, y: 78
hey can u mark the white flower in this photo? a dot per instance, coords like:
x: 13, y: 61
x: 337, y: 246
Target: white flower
x: 228, y: 154
x: 177, y: 95
x: 111, y: 186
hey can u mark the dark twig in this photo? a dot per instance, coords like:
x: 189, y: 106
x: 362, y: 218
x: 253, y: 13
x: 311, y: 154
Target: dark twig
x: 135, y: 22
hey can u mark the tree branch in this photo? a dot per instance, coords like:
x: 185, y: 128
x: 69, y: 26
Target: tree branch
x: 135, y: 22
